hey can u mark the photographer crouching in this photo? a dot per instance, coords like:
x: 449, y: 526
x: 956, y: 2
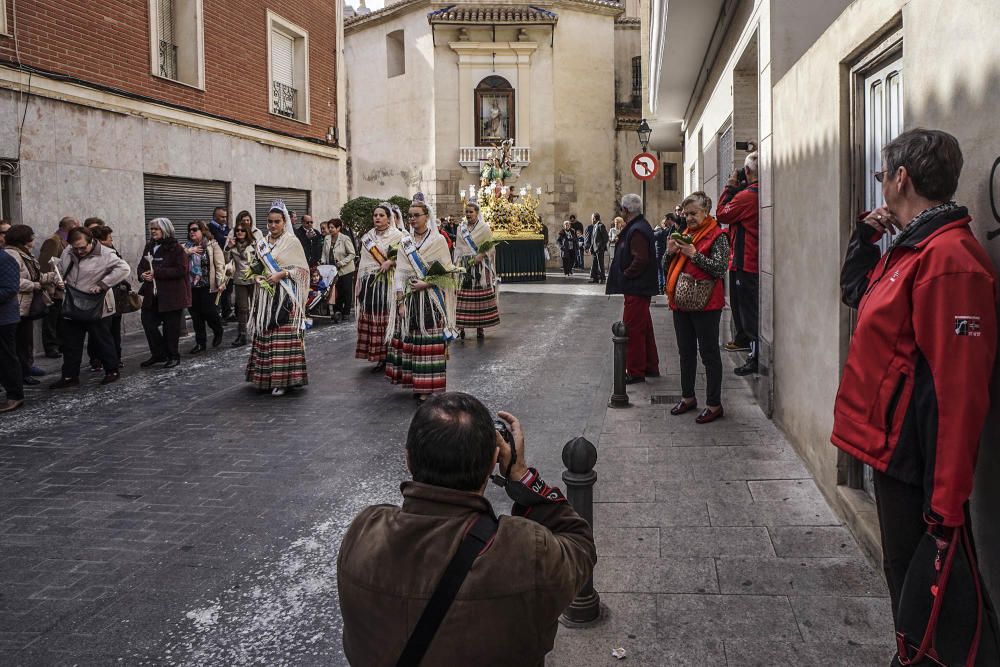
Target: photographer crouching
x: 441, y: 579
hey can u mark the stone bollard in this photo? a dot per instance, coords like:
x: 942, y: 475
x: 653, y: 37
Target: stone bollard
x: 580, y: 456
x: 619, y: 338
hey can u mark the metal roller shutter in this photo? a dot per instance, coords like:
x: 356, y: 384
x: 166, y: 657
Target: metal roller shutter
x: 183, y: 200
x: 295, y: 200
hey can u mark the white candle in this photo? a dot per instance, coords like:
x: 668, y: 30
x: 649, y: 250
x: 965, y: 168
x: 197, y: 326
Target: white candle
x: 538, y: 191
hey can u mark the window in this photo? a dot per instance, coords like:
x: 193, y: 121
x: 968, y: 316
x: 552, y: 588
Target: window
x: 288, y: 63
x: 494, y: 111
x: 177, y: 41
x: 669, y: 176
x: 3, y: 17
x: 8, y: 171
x: 637, y: 81
x: 395, y: 54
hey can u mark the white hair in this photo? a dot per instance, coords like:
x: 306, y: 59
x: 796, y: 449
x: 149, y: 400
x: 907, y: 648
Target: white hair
x: 164, y: 226
x: 632, y: 203
x: 750, y: 164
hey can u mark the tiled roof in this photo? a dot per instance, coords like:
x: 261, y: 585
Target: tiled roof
x: 493, y: 15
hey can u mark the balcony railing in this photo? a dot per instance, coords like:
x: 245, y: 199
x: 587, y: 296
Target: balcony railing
x: 473, y: 157
x: 168, y: 60
x: 284, y: 100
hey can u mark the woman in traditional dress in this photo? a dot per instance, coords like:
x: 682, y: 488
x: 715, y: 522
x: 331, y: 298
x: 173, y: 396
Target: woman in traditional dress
x: 278, y: 357
x: 477, y: 293
x: 424, y: 314
x: 374, y: 279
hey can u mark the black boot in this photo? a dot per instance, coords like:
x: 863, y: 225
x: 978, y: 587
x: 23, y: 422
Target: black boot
x: 240, y: 341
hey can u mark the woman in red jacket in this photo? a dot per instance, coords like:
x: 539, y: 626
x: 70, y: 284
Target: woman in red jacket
x: 915, y: 389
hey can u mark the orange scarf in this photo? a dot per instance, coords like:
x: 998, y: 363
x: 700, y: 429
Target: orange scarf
x: 677, y: 263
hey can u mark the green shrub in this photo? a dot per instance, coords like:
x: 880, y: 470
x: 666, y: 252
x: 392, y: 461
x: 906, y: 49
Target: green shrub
x: 402, y: 202
x: 358, y: 213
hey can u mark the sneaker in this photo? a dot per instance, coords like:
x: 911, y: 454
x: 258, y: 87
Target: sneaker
x: 36, y: 372
x: 749, y: 368
x: 110, y: 377
x: 65, y: 383
x: 733, y: 346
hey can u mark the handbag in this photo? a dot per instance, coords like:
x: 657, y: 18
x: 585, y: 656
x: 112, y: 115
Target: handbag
x: 81, y: 306
x: 692, y: 294
x: 37, y: 309
x: 126, y: 301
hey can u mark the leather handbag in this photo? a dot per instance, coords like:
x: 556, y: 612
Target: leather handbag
x: 81, y: 306
x: 692, y: 294
x: 37, y: 309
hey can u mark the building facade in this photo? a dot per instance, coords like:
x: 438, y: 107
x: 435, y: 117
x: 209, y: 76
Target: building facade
x: 433, y: 86
x: 128, y: 111
x: 821, y: 87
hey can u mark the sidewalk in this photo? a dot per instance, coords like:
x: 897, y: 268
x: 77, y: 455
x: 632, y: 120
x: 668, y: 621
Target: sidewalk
x: 715, y: 546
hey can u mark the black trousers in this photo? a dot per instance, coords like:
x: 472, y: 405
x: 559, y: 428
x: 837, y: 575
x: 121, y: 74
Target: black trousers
x: 162, y: 345
x: 51, y: 338
x: 568, y: 262
x: 116, y: 337
x: 699, y: 331
x: 26, y: 345
x: 204, y: 311
x: 901, y: 523
x: 11, y: 377
x: 597, y: 267
x: 345, y: 294
x: 744, y: 292
x: 75, y: 332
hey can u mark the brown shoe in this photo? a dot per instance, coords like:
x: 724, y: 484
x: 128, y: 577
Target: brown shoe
x: 11, y: 405
x: 708, y: 415
x: 683, y: 406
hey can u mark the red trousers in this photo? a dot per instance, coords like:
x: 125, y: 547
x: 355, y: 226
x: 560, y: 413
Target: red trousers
x: 641, y: 358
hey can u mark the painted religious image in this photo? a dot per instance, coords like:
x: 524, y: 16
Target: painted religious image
x: 494, y: 117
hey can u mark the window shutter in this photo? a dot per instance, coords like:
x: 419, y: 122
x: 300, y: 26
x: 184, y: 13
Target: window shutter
x: 165, y: 20
x: 282, y: 58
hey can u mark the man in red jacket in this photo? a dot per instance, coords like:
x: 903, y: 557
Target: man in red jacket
x: 739, y: 208
x: 915, y: 389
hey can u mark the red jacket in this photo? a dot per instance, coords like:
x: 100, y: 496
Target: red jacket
x: 740, y: 210
x: 915, y: 389
x: 717, y: 300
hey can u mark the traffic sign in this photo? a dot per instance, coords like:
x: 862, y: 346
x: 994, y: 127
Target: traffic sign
x: 645, y: 166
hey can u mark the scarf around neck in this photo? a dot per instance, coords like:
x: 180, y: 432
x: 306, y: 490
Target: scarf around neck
x: 708, y: 225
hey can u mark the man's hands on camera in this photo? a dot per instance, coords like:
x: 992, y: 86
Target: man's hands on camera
x: 883, y: 220
x: 520, y: 467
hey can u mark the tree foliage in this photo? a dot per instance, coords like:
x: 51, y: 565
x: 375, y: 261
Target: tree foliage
x: 358, y: 212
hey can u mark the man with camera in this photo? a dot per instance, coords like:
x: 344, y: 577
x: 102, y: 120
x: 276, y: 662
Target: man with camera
x: 441, y: 579
x: 739, y: 210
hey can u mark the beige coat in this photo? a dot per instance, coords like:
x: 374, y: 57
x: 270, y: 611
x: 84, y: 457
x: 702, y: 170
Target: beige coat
x: 32, y: 279
x: 343, y: 254
x: 101, y: 268
x: 216, y: 266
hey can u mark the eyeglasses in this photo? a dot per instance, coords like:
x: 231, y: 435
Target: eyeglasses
x: 880, y: 175
x: 411, y: 216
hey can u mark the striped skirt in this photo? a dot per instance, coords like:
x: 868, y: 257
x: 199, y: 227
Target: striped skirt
x: 278, y: 359
x: 477, y: 303
x: 419, y: 359
x: 373, y: 318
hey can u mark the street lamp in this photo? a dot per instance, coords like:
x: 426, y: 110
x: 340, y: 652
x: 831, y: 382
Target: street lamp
x: 644, y: 131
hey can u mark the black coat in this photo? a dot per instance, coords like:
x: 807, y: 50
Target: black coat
x: 568, y: 243
x: 313, y: 247
x: 599, y: 242
x: 646, y: 283
x: 170, y: 270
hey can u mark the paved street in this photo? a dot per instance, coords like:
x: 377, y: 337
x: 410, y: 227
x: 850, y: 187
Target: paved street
x: 177, y: 517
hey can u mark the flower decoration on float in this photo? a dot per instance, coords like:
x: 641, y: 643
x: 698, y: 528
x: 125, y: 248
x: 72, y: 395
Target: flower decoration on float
x: 510, y: 214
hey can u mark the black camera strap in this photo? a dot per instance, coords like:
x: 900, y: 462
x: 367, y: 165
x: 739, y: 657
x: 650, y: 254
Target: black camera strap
x: 482, y: 531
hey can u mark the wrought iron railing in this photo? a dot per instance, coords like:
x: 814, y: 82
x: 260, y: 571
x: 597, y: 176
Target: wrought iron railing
x: 168, y: 60
x: 284, y: 100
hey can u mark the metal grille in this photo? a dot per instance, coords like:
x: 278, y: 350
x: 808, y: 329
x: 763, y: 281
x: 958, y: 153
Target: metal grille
x: 637, y: 80
x: 284, y: 100
x: 295, y: 200
x: 727, y: 155
x: 165, y: 28
x: 283, y: 93
x: 182, y: 199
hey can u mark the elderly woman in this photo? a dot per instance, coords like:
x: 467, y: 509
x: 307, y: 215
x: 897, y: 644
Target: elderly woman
x: 90, y: 271
x: 477, y: 295
x: 34, y: 295
x: 417, y: 356
x: 278, y: 357
x: 374, y: 276
x: 915, y: 389
x: 236, y: 254
x: 165, y: 291
x: 693, y: 273
x: 207, y: 267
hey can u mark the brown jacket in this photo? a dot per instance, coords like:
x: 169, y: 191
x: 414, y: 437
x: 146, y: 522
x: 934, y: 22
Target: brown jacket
x: 507, y: 610
x: 170, y: 269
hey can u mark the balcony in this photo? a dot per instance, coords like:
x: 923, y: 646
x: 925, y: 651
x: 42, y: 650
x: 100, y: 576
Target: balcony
x: 168, y: 60
x: 473, y: 157
x: 284, y: 100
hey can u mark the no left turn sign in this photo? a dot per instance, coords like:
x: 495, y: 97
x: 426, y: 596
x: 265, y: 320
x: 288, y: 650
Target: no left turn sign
x: 645, y: 166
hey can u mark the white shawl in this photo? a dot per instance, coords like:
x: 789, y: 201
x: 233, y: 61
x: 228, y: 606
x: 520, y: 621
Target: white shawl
x: 433, y: 249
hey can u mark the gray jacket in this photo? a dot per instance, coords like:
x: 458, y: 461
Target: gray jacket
x: 100, y: 268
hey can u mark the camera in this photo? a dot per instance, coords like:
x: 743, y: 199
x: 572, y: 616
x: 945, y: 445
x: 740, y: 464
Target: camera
x: 741, y: 176
x: 503, y: 429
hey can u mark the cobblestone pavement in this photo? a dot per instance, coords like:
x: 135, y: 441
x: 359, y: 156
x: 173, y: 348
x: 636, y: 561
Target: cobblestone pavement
x: 177, y: 517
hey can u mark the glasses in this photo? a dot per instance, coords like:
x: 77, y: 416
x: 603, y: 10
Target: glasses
x: 880, y: 175
x: 411, y: 216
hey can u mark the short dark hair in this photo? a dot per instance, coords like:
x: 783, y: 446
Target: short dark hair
x: 219, y: 208
x: 77, y: 232
x: 93, y: 222
x: 19, y: 235
x: 200, y: 224
x: 101, y: 233
x: 451, y: 442
x: 336, y: 222
x: 932, y: 158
